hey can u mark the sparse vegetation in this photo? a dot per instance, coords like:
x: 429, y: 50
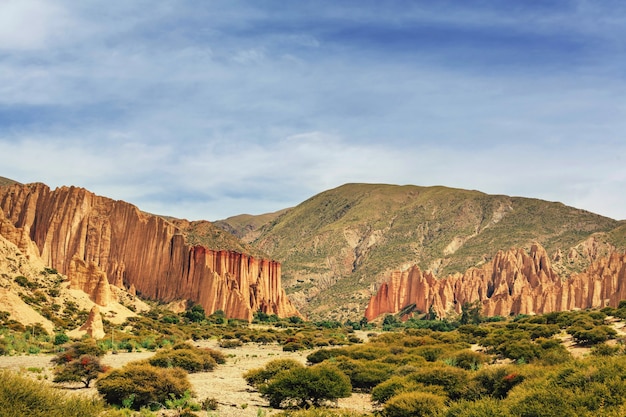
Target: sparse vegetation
x: 21, y: 396
x: 143, y: 385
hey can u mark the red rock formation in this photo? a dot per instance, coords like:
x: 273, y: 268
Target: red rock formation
x: 90, y: 280
x: 93, y: 326
x: 514, y: 282
x: 76, y: 230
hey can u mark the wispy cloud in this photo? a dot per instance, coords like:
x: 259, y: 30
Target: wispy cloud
x: 210, y: 110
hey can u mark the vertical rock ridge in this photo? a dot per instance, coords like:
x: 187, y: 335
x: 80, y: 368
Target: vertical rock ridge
x: 514, y: 282
x: 89, y: 237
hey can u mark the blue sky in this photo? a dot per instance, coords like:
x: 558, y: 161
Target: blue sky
x: 207, y: 109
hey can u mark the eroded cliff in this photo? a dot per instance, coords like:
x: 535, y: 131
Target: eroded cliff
x: 514, y: 282
x: 91, y: 238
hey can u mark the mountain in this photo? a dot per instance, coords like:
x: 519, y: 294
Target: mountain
x: 99, y: 242
x: 338, y: 246
x: 247, y: 227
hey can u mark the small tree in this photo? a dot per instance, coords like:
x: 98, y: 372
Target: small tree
x: 470, y: 312
x: 79, y: 363
x: 84, y: 369
x: 195, y: 314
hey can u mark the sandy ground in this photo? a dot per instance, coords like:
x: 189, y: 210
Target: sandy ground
x: 225, y: 383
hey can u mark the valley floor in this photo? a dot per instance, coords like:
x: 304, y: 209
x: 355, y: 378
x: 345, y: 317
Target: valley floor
x: 225, y: 383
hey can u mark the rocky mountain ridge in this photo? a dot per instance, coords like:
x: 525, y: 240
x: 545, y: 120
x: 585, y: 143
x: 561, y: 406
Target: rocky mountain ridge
x: 514, y: 282
x: 339, y: 245
x: 100, y: 242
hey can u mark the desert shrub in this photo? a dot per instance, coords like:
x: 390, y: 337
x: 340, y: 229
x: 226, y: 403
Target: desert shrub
x: 293, y: 347
x: 61, y: 338
x: 552, y: 352
x: 187, y: 359
x: 320, y: 412
x: 21, y: 396
x: 542, y: 400
x: 430, y: 353
x: 520, y: 350
x: 230, y: 343
x: 414, y: 404
x: 594, y: 383
x: 382, y: 392
x: 364, y: 375
x: 304, y: 386
x: 453, y: 380
x: 602, y: 349
x: 323, y: 354
x: 497, y: 381
x: 143, y: 385
x: 485, y: 407
x: 195, y: 314
x: 591, y: 336
x: 256, y: 377
x: 210, y: 403
x: 468, y: 359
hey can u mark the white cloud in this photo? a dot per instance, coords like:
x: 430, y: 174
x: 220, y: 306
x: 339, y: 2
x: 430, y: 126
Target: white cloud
x: 197, y: 112
x: 30, y: 24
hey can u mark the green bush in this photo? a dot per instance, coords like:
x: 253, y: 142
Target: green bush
x: 364, y: 375
x: 256, y: 377
x: 602, y: 349
x: 397, y: 385
x: 319, y: 412
x: 414, y: 404
x: 544, y: 401
x: 497, y: 381
x: 143, y: 385
x: 230, y: 343
x: 468, y: 359
x: 453, y: 380
x: 592, y: 336
x: 189, y: 360
x: 302, y: 386
x: 61, y: 338
x: 485, y: 407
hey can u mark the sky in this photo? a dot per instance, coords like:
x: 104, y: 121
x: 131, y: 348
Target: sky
x: 209, y: 109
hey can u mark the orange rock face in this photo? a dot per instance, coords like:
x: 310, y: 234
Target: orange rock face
x: 514, y: 282
x: 89, y: 237
x: 94, y: 326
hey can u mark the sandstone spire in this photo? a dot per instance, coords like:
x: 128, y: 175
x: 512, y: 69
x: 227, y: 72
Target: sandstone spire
x: 93, y: 326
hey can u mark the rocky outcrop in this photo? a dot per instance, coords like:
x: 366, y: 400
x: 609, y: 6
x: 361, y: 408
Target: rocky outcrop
x: 96, y: 240
x: 91, y: 280
x: 514, y: 282
x: 93, y: 326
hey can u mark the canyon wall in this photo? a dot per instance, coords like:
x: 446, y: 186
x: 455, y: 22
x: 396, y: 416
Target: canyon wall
x: 95, y: 240
x: 514, y: 282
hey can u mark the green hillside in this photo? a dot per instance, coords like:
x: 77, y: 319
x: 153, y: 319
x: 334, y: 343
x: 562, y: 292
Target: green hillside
x: 207, y: 234
x: 7, y: 181
x: 247, y: 226
x: 335, y: 245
